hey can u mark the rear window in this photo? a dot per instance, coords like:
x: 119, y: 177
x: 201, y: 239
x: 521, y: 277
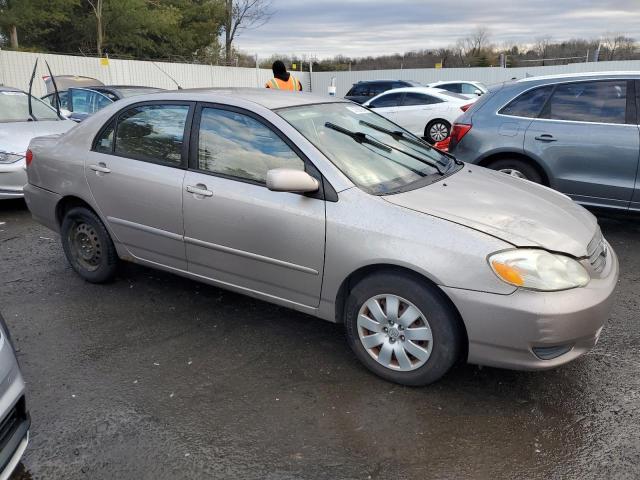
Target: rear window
x: 529, y: 104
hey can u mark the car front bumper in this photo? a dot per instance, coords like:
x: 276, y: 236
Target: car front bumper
x: 13, y: 178
x: 504, y: 330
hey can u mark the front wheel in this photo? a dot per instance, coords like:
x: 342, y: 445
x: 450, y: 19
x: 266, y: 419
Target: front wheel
x: 403, y: 330
x: 88, y: 246
x: 436, y: 131
x: 516, y: 168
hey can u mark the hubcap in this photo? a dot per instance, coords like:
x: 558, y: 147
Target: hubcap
x: 514, y: 173
x: 85, y: 246
x: 395, y: 332
x: 438, y: 132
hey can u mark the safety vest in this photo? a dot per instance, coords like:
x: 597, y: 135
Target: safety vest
x: 292, y: 84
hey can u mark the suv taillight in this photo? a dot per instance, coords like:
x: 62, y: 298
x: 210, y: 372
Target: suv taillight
x: 29, y: 157
x: 458, y: 131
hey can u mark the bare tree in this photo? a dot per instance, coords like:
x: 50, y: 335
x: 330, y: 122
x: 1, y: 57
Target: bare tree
x: 616, y: 43
x: 97, y: 5
x: 242, y: 15
x: 477, y: 41
x: 541, y: 46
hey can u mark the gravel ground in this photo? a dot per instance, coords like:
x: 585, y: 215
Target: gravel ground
x: 155, y: 376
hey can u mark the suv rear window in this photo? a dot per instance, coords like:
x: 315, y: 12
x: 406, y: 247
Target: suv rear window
x: 529, y: 104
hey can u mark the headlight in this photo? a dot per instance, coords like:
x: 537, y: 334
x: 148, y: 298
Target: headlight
x: 538, y: 269
x: 10, y: 157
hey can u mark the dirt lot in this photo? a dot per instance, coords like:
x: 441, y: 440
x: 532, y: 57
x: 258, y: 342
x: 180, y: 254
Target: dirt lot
x: 154, y: 376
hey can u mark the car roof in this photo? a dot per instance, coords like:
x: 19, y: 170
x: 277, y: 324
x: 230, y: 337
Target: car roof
x: 10, y: 89
x: 266, y: 97
x: 563, y: 76
x: 429, y: 90
x: 443, y: 82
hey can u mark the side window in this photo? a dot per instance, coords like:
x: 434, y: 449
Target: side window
x: 602, y: 102
x: 152, y: 133
x: 237, y: 145
x: 529, y: 104
x: 412, y: 98
x: 469, y: 89
x: 451, y: 87
x: 104, y: 142
x: 378, y: 88
x: 389, y: 100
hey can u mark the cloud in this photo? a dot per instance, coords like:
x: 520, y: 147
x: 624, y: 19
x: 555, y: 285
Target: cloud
x: 361, y: 28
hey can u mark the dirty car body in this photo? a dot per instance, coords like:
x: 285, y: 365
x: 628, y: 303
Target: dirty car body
x: 332, y: 210
x: 14, y: 418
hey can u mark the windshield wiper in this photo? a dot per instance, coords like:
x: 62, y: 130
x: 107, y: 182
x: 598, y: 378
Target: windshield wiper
x: 359, y: 137
x: 399, y: 135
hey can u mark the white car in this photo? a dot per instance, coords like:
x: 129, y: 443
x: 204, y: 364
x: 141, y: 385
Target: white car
x: 17, y: 128
x: 425, y: 112
x: 465, y: 88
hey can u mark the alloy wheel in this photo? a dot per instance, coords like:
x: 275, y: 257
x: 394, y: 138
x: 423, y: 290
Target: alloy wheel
x: 438, y: 132
x: 395, y: 332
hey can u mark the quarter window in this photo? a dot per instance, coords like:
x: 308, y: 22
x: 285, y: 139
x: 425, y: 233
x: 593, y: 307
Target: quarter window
x: 529, y: 104
x: 237, y: 145
x: 601, y: 102
x: 469, y: 89
x: 390, y: 100
x: 152, y: 133
x: 451, y: 87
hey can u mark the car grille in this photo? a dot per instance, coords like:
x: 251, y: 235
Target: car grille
x: 597, y: 252
x: 11, y: 422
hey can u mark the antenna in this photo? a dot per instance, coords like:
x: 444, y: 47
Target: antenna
x: 172, y: 79
x: 55, y: 87
x: 30, y: 88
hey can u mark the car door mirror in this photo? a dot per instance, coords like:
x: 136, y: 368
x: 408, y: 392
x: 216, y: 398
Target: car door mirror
x: 290, y: 180
x: 478, y: 92
x: 65, y: 113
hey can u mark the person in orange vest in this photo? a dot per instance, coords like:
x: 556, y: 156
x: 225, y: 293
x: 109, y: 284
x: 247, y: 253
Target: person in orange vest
x: 283, y: 80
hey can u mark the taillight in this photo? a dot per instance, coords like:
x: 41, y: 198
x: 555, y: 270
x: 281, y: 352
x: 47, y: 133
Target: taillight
x: 466, y: 107
x: 443, y: 145
x: 29, y: 157
x: 458, y: 131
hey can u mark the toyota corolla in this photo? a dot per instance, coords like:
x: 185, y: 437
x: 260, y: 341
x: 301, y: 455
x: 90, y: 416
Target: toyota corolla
x: 330, y: 209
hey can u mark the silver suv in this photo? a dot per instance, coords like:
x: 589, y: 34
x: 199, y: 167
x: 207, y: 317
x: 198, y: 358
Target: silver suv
x: 577, y: 134
x: 14, y: 419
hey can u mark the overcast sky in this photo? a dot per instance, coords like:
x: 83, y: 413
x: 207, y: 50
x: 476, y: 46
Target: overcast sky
x: 360, y: 28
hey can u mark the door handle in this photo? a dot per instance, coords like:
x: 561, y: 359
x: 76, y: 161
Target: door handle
x: 545, y: 137
x: 199, y: 189
x: 100, y: 168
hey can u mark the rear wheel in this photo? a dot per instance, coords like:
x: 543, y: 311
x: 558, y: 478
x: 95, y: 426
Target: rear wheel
x: 401, y: 329
x: 517, y: 168
x: 437, y: 130
x: 88, y: 246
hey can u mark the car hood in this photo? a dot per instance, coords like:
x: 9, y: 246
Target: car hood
x: 15, y: 136
x: 514, y: 210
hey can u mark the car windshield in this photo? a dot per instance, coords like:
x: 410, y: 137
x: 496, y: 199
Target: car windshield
x: 377, y: 155
x: 14, y: 107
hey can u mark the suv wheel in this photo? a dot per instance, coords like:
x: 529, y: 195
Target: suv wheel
x: 403, y: 330
x: 517, y: 168
x: 88, y: 246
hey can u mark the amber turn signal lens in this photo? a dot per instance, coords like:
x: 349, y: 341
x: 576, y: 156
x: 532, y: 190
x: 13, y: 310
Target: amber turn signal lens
x: 508, y: 274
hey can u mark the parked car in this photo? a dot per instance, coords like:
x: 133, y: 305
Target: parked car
x: 80, y: 102
x: 575, y: 133
x: 424, y: 111
x: 330, y: 209
x: 464, y: 88
x: 17, y: 128
x: 364, y: 90
x: 14, y: 417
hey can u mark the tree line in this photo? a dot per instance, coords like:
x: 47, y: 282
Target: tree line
x: 201, y: 31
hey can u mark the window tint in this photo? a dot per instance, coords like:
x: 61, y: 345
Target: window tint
x: 378, y: 88
x: 152, y: 133
x: 451, y: 87
x: 390, y: 100
x: 412, y: 98
x: 104, y: 143
x: 358, y: 90
x: 603, y: 102
x: 529, y: 103
x: 87, y: 101
x: 234, y: 144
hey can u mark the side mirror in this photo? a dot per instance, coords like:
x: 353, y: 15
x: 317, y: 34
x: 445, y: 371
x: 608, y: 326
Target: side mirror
x: 290, y: 180
x: 65, y: 113
x: 478, y: 92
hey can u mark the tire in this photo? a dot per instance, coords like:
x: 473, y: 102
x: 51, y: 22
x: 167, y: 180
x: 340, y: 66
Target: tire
x: 433, y: 127
x: 435, y: 358
x: 88, y: 246
x: 517, y: 168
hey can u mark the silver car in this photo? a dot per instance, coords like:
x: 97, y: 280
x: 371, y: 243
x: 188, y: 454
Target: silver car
x: 330, y: 209
x: 14, y: 418
x: 17, y: 127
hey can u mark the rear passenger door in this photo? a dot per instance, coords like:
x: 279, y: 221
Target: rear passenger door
x: 135, y: 172
x: 587, y: 138
x: 416, y: 110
